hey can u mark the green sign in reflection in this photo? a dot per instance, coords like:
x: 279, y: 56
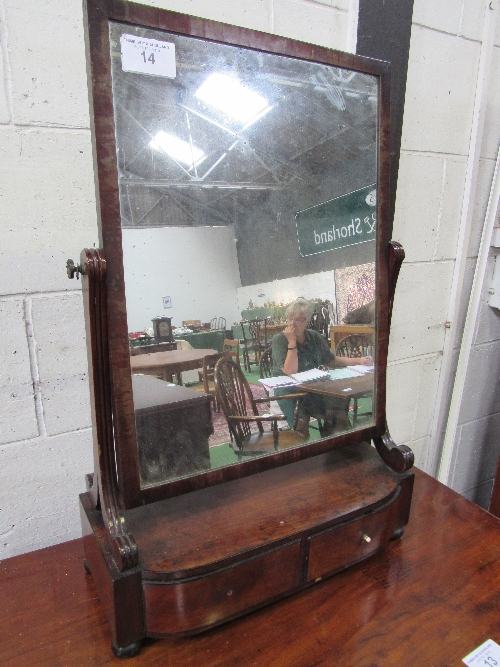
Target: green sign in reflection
x: 347, y: 220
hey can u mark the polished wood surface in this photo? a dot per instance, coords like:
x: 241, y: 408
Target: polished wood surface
x: 208, y: 556
x: 428, y: 598
x: 258, y: 512
x: 169, y: 363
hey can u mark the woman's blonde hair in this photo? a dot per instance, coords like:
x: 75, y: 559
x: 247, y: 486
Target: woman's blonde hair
x: 300, y: 308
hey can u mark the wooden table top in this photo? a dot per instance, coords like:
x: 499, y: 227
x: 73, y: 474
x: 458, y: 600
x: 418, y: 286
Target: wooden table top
x: 426, y: 600
x: 152, y: 395
x: 348, y: 388
x: 171, y: 358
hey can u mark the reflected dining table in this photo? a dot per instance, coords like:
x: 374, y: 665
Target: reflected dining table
x: 347, y: 388
x: 168, y: 364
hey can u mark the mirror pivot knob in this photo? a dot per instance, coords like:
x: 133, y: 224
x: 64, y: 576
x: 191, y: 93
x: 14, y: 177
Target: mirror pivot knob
x: 73, y: 269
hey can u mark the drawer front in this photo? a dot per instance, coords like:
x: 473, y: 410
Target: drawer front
x: 341, y: 546
x: 191, y: 605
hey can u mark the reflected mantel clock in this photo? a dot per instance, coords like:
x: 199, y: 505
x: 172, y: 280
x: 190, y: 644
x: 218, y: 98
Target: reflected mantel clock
x: 205, y: 131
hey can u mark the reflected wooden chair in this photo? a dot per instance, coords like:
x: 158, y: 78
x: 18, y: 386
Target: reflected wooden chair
x: 356, y: 346
x: 266, y: 364
x: 248, y: 348
x: 321, y: 320
x: 218, y: 323
x: 231, y: 348
x: 240, y: 409
x: 258, y: 336
x: 206, y: 375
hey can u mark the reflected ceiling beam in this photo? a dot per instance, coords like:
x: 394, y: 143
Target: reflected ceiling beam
x: 222, y: 127
x: 182, y: 207
x: 151, y: 138
x: 214, y: 185
x: 214, y: 213
x: 177, y: 200
x: 151, y: 208
x: 144, y: 146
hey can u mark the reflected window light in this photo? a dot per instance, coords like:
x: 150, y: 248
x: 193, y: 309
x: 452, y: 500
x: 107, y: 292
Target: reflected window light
x: 232, y: 98
x: 179, y: 150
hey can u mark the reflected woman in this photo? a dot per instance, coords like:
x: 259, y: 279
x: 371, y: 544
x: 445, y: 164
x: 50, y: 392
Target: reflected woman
x: 298, y: 349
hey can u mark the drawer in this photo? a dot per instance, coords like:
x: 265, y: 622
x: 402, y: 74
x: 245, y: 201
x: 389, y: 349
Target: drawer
x: 343, y: 545
x: 190, y: 605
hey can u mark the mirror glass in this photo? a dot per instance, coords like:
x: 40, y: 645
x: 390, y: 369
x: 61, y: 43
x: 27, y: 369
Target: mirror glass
x: 247, y: 180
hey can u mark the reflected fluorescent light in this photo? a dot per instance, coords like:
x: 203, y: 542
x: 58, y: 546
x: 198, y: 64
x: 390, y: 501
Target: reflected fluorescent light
x: 179, y: 150
x: 232, y: 98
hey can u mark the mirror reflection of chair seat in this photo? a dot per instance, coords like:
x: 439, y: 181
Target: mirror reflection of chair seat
x: 240, y: 409
x: 357, y: 346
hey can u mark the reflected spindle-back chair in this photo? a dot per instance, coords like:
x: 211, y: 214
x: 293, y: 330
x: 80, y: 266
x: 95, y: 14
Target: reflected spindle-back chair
x: 240, y: 409
x: 356, y: 346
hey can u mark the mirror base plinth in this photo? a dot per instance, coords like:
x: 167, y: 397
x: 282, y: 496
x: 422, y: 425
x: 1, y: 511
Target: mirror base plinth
x: 218, y: 553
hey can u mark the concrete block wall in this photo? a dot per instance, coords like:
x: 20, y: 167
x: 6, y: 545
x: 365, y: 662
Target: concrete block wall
x: 47, y: 214
x: 442, y: 74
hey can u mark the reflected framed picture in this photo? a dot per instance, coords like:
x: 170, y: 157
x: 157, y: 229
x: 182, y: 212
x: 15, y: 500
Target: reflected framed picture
x: 162, y: 329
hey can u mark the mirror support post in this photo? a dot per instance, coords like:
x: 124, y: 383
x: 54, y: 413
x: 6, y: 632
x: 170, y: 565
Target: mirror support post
x: 104, y: 490
x: 399, y: 458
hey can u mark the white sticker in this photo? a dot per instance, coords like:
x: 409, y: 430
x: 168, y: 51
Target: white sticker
x: 147, y: 56
x: 486, y: 655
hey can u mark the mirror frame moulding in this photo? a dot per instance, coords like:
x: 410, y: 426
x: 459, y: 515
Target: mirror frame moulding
x: 97, y: 15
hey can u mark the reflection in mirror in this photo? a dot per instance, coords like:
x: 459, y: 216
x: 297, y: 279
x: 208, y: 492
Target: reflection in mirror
x: 247, y: 180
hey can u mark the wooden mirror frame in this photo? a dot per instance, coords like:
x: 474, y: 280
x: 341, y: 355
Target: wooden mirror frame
x: 114, y: 408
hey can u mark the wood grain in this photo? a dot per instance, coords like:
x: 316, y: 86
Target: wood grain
x: 427, y: 599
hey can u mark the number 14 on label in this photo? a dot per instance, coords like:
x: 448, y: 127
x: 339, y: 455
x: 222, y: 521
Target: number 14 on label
x: 147, y: 56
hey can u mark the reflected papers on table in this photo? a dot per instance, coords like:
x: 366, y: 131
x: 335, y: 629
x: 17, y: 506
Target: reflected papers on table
x: 280, y: 381
x: 361, y: 369
x: 310, y: 376
x: 343, y: 373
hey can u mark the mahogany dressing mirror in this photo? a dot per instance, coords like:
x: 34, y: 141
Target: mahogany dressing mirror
x: 236, y: 173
